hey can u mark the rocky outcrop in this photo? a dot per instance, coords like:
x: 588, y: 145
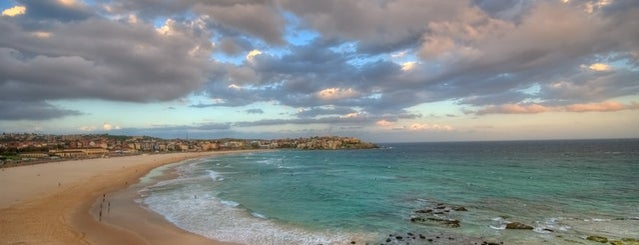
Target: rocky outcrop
x: 452, y: 223
x: 439, y: 214
x: 433, y: 238
x: 518, y: 226
x: 630, y: 241
x: 597, y: 239
x: 327, y: 143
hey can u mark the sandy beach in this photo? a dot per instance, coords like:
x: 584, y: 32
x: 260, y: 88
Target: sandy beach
x: 50, y: 203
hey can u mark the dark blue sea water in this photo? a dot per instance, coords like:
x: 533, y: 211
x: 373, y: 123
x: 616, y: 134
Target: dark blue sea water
x: 566, y: 190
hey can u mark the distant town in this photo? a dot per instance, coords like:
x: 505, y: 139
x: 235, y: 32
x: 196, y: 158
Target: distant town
x: 26, y: 148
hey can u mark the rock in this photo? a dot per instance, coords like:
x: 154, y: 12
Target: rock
x: 417, y: 219
x: 460, y: 209
x: 424, y: 211
x: 489, y: 243
x: 399, y: 237
x: 518, y: 226
x: 453, y: 223
x: 422, y: 236
x: 630, y: 241
x: 616, y: 242
x: 597, y: 239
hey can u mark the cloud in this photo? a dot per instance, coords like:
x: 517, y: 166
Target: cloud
x: 324, y: 110
x: 606, y: 106
x: 384, y: 123
x: 251, y: 55
x: 599, y: 67
x: 103, y: 59
x: 369, y: 59
x: 336, y: 93
x: 183, y: 128
x: 255, y: 111
x: 304, y: 121
x: 87, y: 128
x: 33, y: 110
x: 234, y: 46
x: 109, y: 127
x: 252, y: 17
x: 57, y: 10
x: 514, y: 109
x: 407, y: 66
x: 429, y: 127
x: 373, y: 22
x: 14, y: 11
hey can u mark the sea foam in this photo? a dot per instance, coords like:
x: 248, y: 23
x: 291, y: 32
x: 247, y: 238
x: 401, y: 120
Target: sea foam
x: 198, y: 210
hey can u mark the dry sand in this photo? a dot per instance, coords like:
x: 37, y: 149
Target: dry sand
x: 50, y: 203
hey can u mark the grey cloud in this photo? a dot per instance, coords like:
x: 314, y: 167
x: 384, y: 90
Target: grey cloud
x: 475, y: 52
x: 507, y: 97
x: 148, y: 9
x: 255, y: 111
x: 234, y: 46
x: 103, y: 59
x: 185, y: 128
x: 498, y: 50
x: 504, y: 9
x: 212, y: 126
x: 52, y: 9
x: 358, y: 120
x: 28, y: 110
x: 589, y: 87
x: 505, y: 57
x: 202, y: 131
x: 255, y: 18
x: 324, y: 120
x: 317, y: 111
x: 373, y: 22
x: 261, y: 20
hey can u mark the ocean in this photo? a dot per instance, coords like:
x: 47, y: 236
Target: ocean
x: 416, y: 193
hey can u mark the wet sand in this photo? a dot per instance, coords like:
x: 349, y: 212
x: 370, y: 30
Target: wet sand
x: 50, y: 203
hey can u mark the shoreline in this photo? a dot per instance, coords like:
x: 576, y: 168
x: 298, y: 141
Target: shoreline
x: 51, y: 202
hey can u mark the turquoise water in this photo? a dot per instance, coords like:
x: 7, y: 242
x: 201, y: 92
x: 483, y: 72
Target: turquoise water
x: 566, y: 190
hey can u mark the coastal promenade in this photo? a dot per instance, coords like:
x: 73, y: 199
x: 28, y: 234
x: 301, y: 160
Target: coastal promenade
x: 49, y: 203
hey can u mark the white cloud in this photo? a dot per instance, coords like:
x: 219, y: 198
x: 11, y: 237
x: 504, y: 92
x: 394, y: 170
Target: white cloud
x: 42, y: 34
x: 68, y: 3
x: 606, y: 106
x: 87, y: 128
x: 407, y: 66
x: 384, y: 123
x: 429, y: 127
x: 14, y: 11
x: 168, y: 27
x: 599, y: 67
x: 398, y: 55
x: 109, y: 127
x: 352, y: 115
x: 251, y: 55
x: 337, y: 93
x: 132, y: 19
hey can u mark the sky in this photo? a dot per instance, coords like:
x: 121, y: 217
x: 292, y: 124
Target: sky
x: 381, y: 70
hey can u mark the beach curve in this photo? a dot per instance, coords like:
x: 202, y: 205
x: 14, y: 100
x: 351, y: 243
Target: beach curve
x: 49, y: 203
